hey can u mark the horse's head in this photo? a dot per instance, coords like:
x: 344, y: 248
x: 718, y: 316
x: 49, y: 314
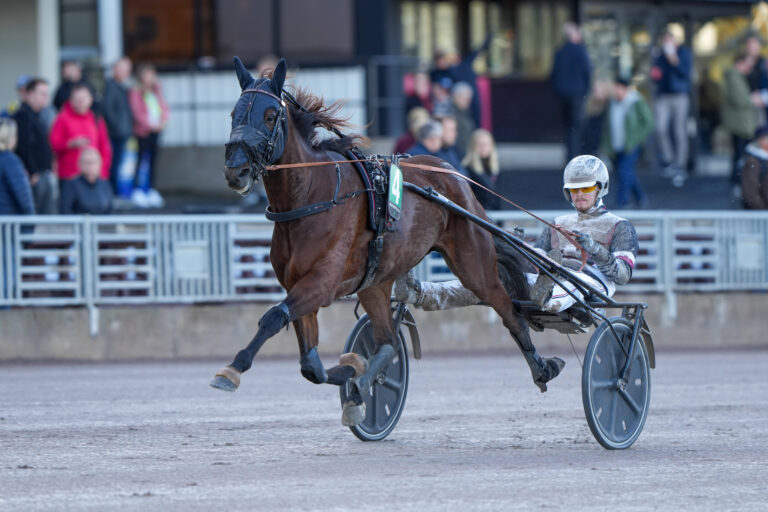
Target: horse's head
x: 258, y: 128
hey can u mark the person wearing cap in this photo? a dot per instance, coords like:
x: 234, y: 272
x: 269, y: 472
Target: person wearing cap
x: 609, y: 240
x: 629, y: 122
x: 754, y: 173
x: 14, y: 106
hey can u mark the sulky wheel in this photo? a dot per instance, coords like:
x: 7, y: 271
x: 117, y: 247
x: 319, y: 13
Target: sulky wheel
x: 615, y: 409
x: 386, y: 398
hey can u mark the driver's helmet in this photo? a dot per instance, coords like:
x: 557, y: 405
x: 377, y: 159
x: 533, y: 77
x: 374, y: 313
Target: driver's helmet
x: 585, y: 171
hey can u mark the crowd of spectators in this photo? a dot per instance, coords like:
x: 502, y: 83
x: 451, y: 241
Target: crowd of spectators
x: 68, y: 155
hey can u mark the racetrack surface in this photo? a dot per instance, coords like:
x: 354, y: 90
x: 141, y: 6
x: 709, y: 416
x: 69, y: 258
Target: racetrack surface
x: 476, y: 435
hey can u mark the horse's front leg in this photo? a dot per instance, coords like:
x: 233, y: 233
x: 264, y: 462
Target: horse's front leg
x: 306, y: 296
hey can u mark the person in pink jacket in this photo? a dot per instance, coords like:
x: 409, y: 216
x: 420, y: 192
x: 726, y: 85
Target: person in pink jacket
x: 150, y: 115
x: 75, y: 128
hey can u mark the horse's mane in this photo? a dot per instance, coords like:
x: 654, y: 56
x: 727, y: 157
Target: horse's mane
x: 325, y: 116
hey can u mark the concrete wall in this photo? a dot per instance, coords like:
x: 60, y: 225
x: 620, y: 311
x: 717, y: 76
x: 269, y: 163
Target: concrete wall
x: 29, y: 43
x: 219, y: 331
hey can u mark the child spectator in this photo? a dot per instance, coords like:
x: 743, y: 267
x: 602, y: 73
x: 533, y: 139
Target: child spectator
x: 88, y: 193
x: 482, y: 165
x: 150, y: 115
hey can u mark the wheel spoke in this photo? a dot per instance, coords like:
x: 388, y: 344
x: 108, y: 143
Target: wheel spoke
x: 630, y: 401
x: 392, y: 384
x: 374, y: 407
x: 603, y: 384
x: 612, y: 414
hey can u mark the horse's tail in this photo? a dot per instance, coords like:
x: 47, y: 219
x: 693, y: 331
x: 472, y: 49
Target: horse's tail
x: 511, y: 268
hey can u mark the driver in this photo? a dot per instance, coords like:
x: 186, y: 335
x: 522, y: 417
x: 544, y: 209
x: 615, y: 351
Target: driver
x: 609, y: 240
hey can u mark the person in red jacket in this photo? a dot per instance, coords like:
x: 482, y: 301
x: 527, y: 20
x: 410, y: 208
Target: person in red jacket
x: 150, y: 115
x: 75, y: 128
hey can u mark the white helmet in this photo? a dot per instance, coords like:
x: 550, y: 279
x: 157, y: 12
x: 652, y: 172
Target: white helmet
x: 585, y: 171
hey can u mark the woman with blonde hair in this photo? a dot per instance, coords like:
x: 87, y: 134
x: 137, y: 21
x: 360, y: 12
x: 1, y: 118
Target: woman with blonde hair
x: 15, y: 191
x: 482, y: 164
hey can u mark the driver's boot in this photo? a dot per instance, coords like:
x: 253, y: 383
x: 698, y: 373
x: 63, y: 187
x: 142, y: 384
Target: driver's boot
x: 542, y: 288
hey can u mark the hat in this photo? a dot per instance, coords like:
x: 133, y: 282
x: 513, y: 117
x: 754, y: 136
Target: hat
x: 761, y: 131
x: 22, y: 81
x: 446, y: 83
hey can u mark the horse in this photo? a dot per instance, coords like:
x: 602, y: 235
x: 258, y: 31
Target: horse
x: 320, y: 257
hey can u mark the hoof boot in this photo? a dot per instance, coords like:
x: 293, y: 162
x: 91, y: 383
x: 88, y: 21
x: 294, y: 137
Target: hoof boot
x: 552, y: 370
x: 228, y: 379
x: 352, y: 415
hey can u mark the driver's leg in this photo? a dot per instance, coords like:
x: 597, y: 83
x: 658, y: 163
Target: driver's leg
x: 432, y: 296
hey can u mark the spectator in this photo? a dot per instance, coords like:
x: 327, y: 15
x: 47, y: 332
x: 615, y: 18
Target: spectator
x: 416, y: 118
x: 571, y: 76
x: 448, y: 149
x: 71, y: 75
x: 461, y: 71
x: 630, y: 121
x: 266, y: 64
x: 482, y: 165
x: 429, y: 140
x: 754, y: 173
x: 441, y: 97
x: 21, y: 92
x: 596, y: 107
x: 89, y: 192
x: 33, y: 147
x: 117, y: 115
x: 150, y: 115
x: 738, y: 113
x: 421, y: 94
x: 461, y: 95
x: 758, y: 77
x: 77, y: 127
x: 671, y: 71
x: 15, y: 191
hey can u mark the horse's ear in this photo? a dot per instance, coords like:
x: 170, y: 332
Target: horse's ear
x: 278, y: 76
x: 243, y: 75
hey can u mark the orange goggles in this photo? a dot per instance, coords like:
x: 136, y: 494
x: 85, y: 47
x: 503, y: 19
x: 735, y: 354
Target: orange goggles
x: 584, y: 190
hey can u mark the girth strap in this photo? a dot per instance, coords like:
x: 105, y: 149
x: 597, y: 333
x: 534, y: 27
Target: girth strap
x: 298, y: 213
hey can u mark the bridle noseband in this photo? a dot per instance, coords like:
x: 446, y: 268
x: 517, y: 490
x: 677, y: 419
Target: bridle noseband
x: 259, y: 147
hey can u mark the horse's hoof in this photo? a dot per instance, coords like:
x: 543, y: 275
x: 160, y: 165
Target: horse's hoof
x: 352, y: 415
x: 356, y: 361
x: 227, y: 379
x: 552, y: 370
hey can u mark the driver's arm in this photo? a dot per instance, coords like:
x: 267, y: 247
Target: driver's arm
x: 617, y: 262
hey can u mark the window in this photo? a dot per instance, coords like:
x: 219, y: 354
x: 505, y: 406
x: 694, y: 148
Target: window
x: 78, y: 24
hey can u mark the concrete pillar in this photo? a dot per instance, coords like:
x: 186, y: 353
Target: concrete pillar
x: 47, y: 36
x: 110, y: 31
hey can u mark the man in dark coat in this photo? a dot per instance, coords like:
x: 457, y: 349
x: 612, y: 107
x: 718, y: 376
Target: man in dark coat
x: 117, y: 114
x: 571, y: 76
x: 33, y: 147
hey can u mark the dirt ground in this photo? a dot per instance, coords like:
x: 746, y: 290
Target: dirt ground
x: 476, y: 435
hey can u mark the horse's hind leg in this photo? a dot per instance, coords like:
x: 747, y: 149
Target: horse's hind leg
x: 375, y: 301
x: 477, y: 270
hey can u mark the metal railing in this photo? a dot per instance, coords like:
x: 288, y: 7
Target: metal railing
x: 91, y: 261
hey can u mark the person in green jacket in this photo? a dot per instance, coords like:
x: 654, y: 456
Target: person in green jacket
x: 628, y: 123
x: 738, y: 111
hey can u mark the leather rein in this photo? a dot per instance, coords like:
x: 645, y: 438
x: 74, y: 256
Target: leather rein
x: 569, y: 235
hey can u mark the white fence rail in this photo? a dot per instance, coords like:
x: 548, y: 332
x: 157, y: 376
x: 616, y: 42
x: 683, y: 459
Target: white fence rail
x: 200, y: 102
x: 90, y: 261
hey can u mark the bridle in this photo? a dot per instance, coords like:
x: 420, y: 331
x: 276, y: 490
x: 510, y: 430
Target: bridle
x: 258, y: 146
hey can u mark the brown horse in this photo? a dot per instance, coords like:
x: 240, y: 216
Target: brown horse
x: 320, y: 257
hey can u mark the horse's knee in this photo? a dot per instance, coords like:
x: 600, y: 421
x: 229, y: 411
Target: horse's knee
x: 274, y: 319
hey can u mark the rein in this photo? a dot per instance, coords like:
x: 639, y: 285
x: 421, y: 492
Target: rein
x: 569, y: 235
